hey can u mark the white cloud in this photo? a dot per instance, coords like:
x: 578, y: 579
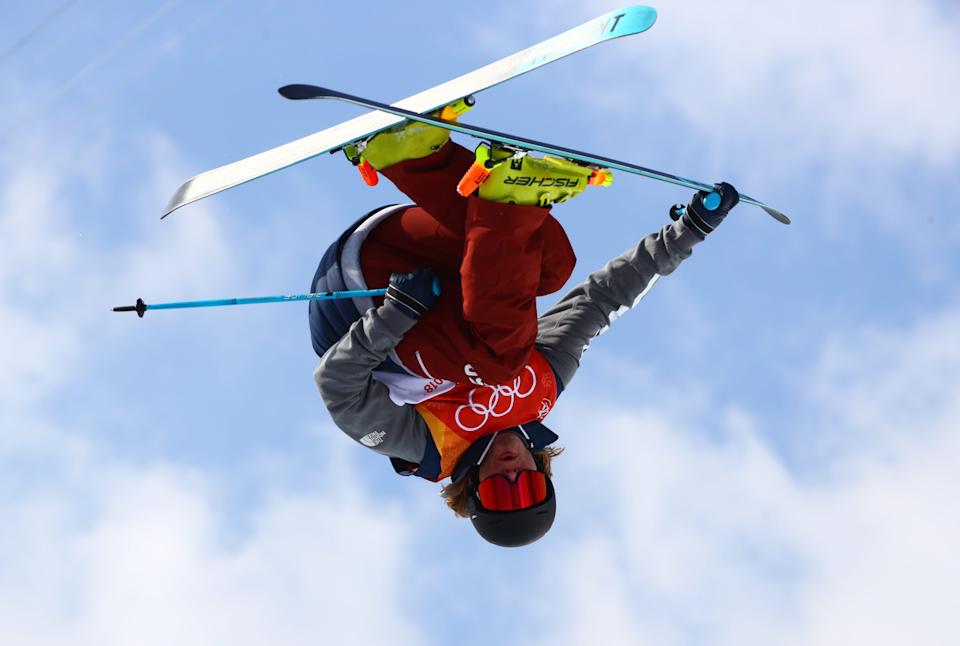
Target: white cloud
x: 36, y: 254
x: 187, y: 252
x: 703, y: 535
x: 36, y: 355
x: 110, y: 552
x: 57, y: 286
x: 834, y: 112
x: 892, y: 390
x: 31, y: 228
x: 99, y: 548
x: 856, y: 78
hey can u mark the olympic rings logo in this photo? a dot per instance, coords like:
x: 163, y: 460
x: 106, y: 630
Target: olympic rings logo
x: 500, y: 401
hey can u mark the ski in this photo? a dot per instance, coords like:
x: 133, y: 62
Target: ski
x: 615, y: 24
x: 300, y: 92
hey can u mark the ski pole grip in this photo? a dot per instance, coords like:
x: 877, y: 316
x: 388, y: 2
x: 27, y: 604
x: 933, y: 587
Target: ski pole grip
x: 711, y: 201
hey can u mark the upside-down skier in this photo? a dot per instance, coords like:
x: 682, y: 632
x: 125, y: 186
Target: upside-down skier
x: 453, y: 372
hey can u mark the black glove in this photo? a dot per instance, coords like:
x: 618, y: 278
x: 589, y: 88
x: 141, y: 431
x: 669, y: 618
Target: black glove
x: 414, y: 293
x: 702, y: 219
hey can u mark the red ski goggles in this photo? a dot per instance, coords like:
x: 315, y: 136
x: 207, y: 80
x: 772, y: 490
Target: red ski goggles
x: 496, y: 493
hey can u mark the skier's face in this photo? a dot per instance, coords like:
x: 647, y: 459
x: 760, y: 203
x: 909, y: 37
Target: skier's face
x: 508, y: 456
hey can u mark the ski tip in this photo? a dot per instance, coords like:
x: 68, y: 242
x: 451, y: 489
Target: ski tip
x: 181, y: 197
x: 299, y: 91
x: 173, y: 206
x: 289, y: 91
x: 776, y: 215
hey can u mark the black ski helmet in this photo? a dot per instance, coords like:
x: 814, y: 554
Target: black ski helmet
x: 514, y: 528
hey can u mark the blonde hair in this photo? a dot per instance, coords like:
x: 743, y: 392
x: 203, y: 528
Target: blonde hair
x: 456, y: 494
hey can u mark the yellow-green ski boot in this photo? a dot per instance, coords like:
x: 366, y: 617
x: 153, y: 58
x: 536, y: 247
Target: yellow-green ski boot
x: 515, y: 177
x: 406, y: 140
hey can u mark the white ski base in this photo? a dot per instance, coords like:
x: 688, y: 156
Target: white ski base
x: 615, y: 24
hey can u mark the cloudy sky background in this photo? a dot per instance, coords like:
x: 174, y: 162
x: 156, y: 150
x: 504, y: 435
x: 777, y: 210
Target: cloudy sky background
x: 764, y: 451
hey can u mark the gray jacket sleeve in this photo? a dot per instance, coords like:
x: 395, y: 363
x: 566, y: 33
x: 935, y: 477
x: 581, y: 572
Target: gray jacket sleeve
x: 566, y: 330
x: 360, y: 405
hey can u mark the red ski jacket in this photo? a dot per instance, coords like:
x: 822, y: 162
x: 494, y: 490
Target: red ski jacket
x: 453, y: 379
x: 493, y: 261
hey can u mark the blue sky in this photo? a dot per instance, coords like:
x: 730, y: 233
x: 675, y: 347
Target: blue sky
x: 764, y: 451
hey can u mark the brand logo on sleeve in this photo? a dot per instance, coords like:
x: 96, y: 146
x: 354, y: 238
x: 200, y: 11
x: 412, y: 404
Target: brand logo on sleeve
x: 374, y: 438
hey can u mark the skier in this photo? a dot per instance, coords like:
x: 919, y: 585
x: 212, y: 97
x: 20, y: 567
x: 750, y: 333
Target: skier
x: 452, y: 373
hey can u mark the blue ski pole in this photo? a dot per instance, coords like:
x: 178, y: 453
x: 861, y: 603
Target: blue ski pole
x: 141, y: 308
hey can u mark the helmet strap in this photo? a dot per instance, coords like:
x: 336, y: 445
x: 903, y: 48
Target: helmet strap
x: 487, y: 448
x: 526, y: 437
